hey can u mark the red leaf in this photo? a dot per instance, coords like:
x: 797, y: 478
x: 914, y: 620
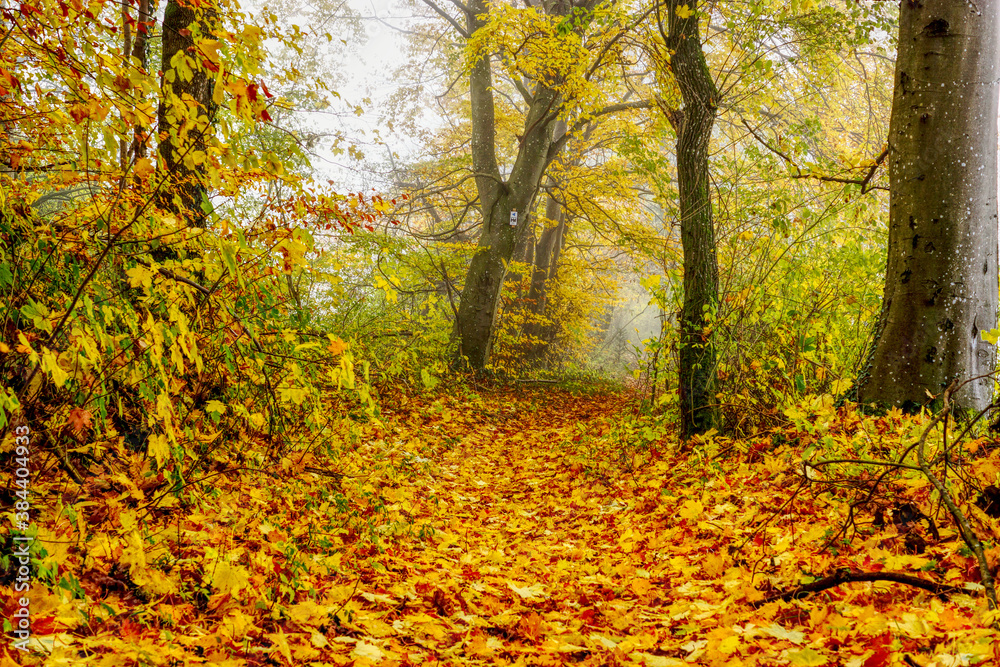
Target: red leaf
x: 882, y: 650
x: 79, y: 419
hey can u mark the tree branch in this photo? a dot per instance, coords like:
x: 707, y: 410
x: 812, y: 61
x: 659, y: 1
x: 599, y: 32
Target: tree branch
x: 578, y: 125
x: 845, y: 576
x: 865, y: 182
x: 454, y: 24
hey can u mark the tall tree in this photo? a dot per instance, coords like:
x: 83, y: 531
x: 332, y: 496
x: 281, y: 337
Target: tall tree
x: 693, y: 124
x: 556, y: 67
x: 941, y: 272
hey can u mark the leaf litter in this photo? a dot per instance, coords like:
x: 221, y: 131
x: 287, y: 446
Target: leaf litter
x: 507, y: 527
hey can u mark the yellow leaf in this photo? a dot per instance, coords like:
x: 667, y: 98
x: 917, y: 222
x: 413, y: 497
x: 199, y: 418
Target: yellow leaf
x: 210, y: 48
x: 139, y: 276
x: 691, y: 509
x: 533, y: 591
x: 50, y: 364
x: 778, y: 632
x: 807, y: 657
x: 683, y: 12
x: 280, y: 642
x: 365, y: 650
x: 229, y: 578
x: 641, y: 586
x: 729, y: 644
x: 158, y: 448
x: 306, y: 611
x: 143, y: 167
x: 650, y: 660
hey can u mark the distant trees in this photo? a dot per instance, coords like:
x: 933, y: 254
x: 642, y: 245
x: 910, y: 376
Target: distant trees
x: 561, y: 51
x: 941, y: 272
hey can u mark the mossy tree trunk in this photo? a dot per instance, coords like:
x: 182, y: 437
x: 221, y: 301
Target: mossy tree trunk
x: 185, y: 113
x: 693, y: 124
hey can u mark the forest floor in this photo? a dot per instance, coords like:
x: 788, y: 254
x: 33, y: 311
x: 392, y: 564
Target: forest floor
x: 529, y: 527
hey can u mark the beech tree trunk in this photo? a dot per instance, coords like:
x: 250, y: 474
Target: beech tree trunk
x: 184, y: 117
x: 498, y: 198
x: 941, y: 271
x: 693, y: 124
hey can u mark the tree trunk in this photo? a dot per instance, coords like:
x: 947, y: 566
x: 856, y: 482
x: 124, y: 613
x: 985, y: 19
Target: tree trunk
x: 185, y: 113
x: 693, y: 124
x: 941, y: 271
x: 546, y: 250
x: 498, y: 198
x: 135, y: 48
x: 140, y: 51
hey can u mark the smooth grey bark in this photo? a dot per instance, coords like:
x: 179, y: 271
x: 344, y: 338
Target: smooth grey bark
x: 941, y: 269
x: 693, y: 124
x: 183, y: 134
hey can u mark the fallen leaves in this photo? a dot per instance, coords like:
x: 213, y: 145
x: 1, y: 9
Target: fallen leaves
x: 497, y: 530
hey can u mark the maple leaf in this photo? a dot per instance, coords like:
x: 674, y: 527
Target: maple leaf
x: 144, y: 167
x: 336, y: 346
x: 229, y: 578
x: 527, y: 592
x: 683, y: 12
x: 365, y: 650
x: 806, y: 657
x: 79, y: 419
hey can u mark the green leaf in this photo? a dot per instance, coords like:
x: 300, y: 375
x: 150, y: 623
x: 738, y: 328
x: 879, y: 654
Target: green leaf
x: 807, y: 657
x: 429, y: 380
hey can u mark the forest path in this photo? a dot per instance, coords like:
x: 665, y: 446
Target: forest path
x: 540, y: 555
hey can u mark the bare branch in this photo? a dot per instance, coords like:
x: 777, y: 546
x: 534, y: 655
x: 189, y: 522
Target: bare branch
x: 845, y: 576
x: 454, y: 24
x: 865, y: 182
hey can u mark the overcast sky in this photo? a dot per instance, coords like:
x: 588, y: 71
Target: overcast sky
x: 364, y: 78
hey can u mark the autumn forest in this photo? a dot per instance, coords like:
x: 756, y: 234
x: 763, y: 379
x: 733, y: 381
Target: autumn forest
x: 569, y: 332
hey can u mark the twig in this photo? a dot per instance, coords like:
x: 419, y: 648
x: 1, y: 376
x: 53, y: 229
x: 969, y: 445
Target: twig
x: 965, y: 528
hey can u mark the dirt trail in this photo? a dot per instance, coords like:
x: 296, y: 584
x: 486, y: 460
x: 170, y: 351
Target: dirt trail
x: 536, y: 557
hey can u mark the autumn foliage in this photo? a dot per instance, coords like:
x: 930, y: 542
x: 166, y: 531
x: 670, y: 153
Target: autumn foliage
x: 232, y: 385
x: 512, y: 528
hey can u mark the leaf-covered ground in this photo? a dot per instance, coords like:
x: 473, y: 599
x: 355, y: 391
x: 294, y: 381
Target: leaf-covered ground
x: 532, y: 527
